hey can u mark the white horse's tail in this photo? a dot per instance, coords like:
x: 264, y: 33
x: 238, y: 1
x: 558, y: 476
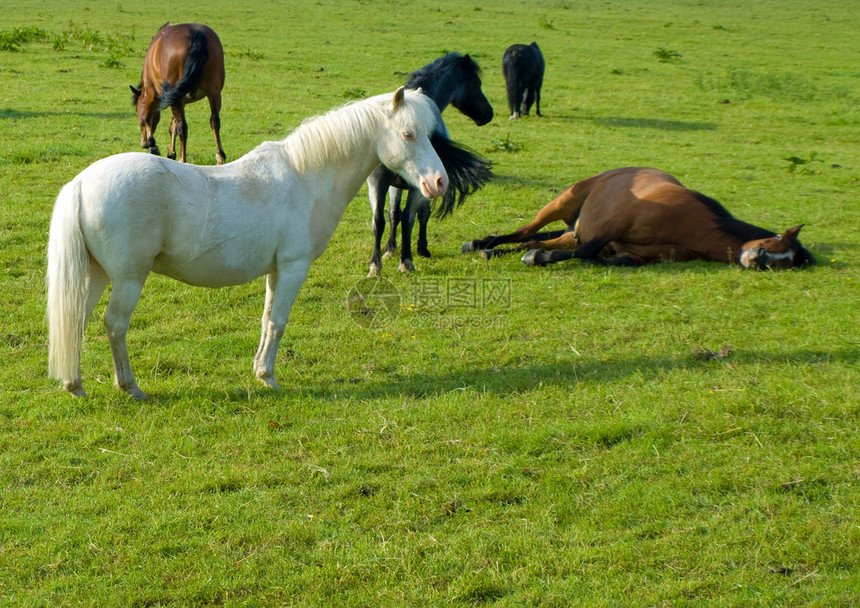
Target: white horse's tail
x: 68, y: 261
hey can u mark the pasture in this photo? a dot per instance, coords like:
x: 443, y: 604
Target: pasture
x: 496, y: 434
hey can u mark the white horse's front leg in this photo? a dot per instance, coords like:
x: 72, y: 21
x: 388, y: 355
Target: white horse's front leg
x: 282, y: 287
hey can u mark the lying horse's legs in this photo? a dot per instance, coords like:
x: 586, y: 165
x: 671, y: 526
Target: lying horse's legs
x: 215, y: 124
x: 548, y: 251
x: 539, y: 237
x: 541, y: 257
x: 123, y: 298
x: 565, y: 207
x: 566, y: 247
x: 282, y: 287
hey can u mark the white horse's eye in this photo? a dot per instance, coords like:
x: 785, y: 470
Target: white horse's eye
x: 778, y: 237
x: 408, y: 135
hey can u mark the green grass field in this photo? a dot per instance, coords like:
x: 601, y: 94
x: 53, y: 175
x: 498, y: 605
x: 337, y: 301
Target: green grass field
x: 511, y: 436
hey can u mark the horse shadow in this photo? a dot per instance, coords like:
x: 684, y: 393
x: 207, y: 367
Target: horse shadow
x: 621, y: 122
x: 13, y: 114
x: 631, y: 122
x: 511, y: 381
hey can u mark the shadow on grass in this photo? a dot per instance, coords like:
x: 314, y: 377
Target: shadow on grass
x: 12, y: 114
x: 653, y: 123
x: 512, y: 380
x: 631, y: 122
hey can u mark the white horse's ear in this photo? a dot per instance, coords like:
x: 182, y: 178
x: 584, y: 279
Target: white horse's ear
x: 398, y: 99
x: 419, y: 90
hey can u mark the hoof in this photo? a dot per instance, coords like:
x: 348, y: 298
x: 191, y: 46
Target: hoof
x: 154, y: 150
x: 406, y: 266
x: 534, y: 257
x: 375, y: 270
x: 134, y: 392
x: 269, y: 380
x: 487, y: 254
x: 388, y: 255
x: 468, y: 247
x: 171, y: 155
x: 220, y: 159
x: 75, y: 388
x: 424, y: 252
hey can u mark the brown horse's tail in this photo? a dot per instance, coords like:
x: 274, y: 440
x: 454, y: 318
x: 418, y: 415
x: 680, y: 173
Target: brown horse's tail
x: 198, y: 54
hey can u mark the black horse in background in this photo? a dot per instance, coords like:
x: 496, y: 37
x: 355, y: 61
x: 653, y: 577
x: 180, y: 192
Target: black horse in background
x: 523, y: 67
x: 453, y: 79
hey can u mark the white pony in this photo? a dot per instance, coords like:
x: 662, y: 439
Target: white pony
x: 272, y: 212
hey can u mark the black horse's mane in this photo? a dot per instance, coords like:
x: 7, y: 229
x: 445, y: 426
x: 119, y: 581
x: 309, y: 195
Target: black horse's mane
x: 467, y: 172
x: 439, y: 65
x: 729, y: 224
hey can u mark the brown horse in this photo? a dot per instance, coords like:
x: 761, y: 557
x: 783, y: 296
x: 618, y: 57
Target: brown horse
x: 183, y: 64
x: 638, y: 215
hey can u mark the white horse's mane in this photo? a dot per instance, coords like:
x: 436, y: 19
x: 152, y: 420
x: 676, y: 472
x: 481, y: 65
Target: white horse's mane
x: 341, y: 130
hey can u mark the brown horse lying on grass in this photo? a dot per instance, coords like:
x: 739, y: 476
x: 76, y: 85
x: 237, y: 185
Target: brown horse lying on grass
x: 637, y: 215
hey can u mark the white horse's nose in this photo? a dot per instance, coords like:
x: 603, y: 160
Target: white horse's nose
x: 432, y: 188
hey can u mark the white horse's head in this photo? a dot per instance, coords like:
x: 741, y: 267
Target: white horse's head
x: 404, y: 142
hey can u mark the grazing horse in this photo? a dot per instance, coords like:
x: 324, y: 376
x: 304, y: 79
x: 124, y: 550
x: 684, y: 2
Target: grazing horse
x: 183, y: 64
x: 637, y: 215
x: 456, y: 80
x: 523, y: 67
x: 271, y: 212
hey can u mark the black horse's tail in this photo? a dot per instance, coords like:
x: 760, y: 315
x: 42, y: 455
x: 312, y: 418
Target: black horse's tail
x: 198, y: 54
x: 467, y: 172
x: 512, y: 84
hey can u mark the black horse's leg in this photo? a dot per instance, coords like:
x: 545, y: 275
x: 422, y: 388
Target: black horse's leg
x: 528, y: 100
x: 407, y: 221
x: 376, y: 188
x: 423, y: 215
x: 394, y: 215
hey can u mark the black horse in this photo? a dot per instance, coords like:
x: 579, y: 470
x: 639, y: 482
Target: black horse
x: 453, y: 79
x: 523, y: 66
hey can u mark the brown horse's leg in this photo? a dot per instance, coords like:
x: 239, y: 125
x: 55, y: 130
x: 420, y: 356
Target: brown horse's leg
x: 178, y: 128
x: 215, y: 123
x: 147, y: 128
x: 563, y: 248
x: 552, y: 250
x: 567, y: 240
x: 565, y: 207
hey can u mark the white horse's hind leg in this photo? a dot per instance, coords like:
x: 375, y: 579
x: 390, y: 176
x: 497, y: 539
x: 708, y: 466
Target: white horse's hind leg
x: 282, y: 287
x: 123, y: 298
x: 97, y: 280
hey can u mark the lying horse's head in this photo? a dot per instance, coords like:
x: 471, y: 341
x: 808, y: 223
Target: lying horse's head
x: 778, y: 251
